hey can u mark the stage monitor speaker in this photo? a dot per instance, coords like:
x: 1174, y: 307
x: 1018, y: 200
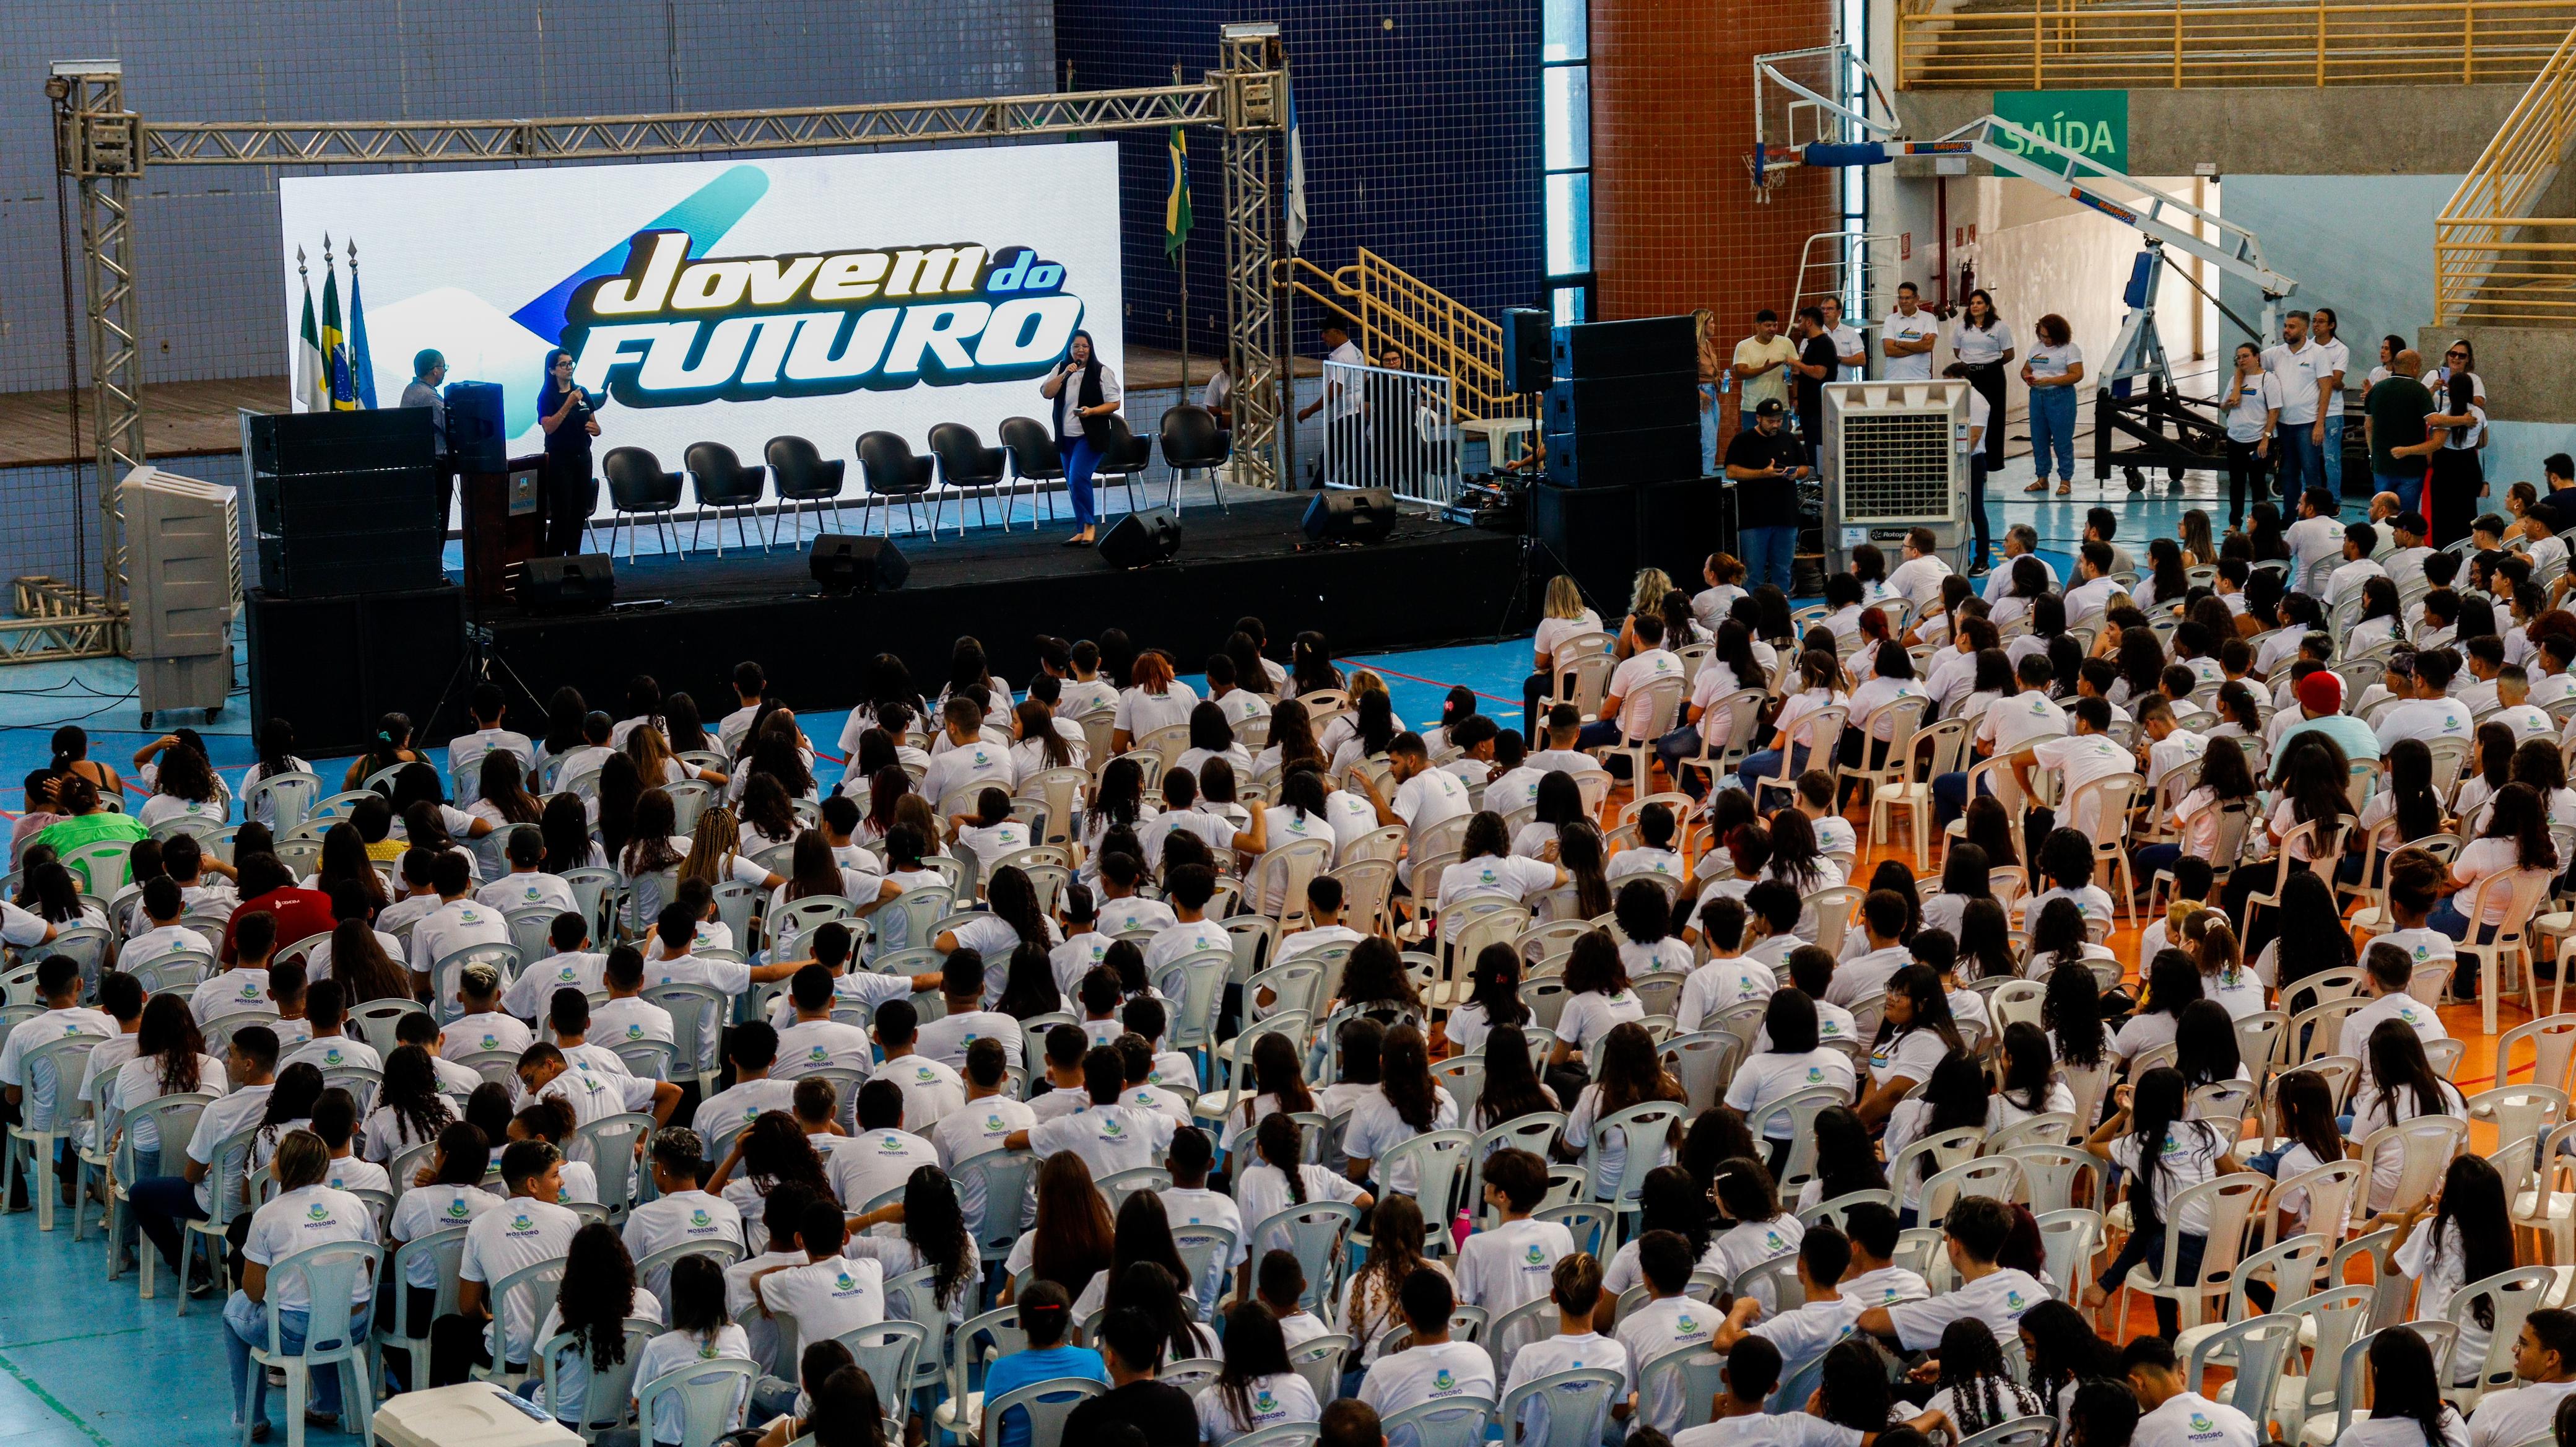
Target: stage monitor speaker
x: 1598, y: 458
x: 1627, y: 349
x: 1527, y: 359
x: 1142, y: 539
x: 847, y: 563
x: 290, y: 443
x: 1619, y: 404
x: 1359, y: 515
x: 476, y: 436
x: 336, y: 665
x: 1590, y: 533
x: 585, y: 583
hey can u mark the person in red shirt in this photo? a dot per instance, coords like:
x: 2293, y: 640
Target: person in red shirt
x: 265, y: 885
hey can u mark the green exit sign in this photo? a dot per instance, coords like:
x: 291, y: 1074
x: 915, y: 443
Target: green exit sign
x: 2093, y: 124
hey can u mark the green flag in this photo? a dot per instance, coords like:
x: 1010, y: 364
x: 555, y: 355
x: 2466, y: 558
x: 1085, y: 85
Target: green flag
x: 1176, y: 205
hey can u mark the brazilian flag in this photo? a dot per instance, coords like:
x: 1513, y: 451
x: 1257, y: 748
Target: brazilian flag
x: 335, y: 346
x: 1176, y: 204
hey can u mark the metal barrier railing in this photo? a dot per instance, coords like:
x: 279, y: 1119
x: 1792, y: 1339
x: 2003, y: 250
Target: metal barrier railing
x: 1390, y: 429
x: 2080, y: 44
x: 1395, y: 308
x: 2493, y: 261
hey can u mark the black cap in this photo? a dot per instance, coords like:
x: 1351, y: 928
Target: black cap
x: 1769, y: 407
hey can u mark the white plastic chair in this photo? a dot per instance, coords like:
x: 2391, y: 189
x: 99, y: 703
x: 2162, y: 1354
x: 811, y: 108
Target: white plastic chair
x: 710, y: 1392
x: 1045, y: 1403
x: 1446, y: 1422
x: 1578, y: 1404
x: 2230, y: 1201
x: 332, y: 1274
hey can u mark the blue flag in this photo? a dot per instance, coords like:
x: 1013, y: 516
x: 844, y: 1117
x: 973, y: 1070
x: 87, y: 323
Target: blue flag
x: 362, y: 366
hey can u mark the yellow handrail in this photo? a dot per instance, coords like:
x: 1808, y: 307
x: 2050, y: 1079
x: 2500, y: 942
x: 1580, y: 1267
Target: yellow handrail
x: 2493, y: 261
x: 1390, y: 306
x: 2076, y: 44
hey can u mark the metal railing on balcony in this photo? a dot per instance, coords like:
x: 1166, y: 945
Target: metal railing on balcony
x: 2493, y: 261
x: 2106, y: 44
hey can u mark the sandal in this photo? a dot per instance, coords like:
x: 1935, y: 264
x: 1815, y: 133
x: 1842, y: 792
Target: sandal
x: 2039, y: 486
x: 2066, y: 489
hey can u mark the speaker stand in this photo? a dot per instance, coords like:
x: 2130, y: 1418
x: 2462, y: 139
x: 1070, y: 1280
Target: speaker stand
x: 474, y: 668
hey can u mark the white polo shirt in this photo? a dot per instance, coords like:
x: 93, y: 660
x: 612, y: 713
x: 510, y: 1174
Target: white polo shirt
x: 300, y: 1220
x: 828, y: 1297
x: 522, y: 1233
x: 877, y: 1161
x: 2188, y: 1419
x: 1898, y: 327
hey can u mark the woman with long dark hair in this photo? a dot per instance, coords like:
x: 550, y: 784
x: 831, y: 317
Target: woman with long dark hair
x: 1956, y: 1097
x: 1278, y: 1082
x: 2516, y: 837
x: 569, y: 417
x: 1597, y: 998
x: 934, y: 1237
x: 2072, y: 1013
x: 1142, y: 1277
x: 1493, y: 999
x: 598, y: 1294
x: 1279, y: 1176
x: 409, y: 1111
x: 169, y: 1059
x: 1373, y: 1298
x: 2172, y: 986
x: 2397, y: 1085
x: 2029, y: 1078
x: 1915, y: 1033
x: 2469, y: 1237
x: 1406, y: 1103
x: 1085, y: 395
x: 1258, y: 1388
x: 1628, y: 1074
x: 2164, y: 1154
x: 1846, y: 1158
x: 1667, y: 1200
x: 1974, y: 1389
x: 1073, y: 1237
x: 2313, y: 1136
x: 2065, y: 1353
x: 1985, y: 940
x: 2405, y: 1389
x: 1511, y: 1089
x: 344, y: 861
x: 1583, y: 855
x: 1753, y: 1226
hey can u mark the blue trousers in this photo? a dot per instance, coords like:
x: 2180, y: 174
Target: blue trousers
x: 1770, y: 556
x: 2409, y: 487
x: 2052, y: 429
x: 1078, y: 467
x: 1950, y: 797
x: 1977, y: 508
x: 2147, y: 1248
x: 2302, y: 462
x: 2152, y: 857
x: 161, y: 1206
x: 2334, y: 455
x: 1708, y: 448
x: 1765, y: 764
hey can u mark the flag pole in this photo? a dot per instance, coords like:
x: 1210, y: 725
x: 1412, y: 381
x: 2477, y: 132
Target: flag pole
x: 1180, y: 162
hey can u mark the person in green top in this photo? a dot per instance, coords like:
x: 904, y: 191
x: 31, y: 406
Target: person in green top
x: 87, y: 820
x: 2393, y: 420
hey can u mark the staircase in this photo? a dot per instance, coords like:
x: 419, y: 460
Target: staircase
x: 1384, y: 305
x: 2504, y: 246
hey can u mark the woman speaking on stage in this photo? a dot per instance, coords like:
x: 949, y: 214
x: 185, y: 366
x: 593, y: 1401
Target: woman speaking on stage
x: 567, y: 414
x: 1086, y: 396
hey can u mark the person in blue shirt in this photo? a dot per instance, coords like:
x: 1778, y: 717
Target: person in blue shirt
x: 1046, y: 1314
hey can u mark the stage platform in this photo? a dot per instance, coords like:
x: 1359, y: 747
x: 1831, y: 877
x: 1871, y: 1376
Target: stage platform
x: 1430, y: 582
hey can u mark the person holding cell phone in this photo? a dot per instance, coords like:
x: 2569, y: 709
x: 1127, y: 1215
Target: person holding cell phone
x: 1086, y: 396
x: 569, y: 417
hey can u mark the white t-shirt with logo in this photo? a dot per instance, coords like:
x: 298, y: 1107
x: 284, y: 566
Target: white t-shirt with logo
x: 1999, y: 1296
x: 1548, y: 1356
x: 45, y: 1029
x: 1431, y: 1373
x: 300, y: 1220
x: 828, y: 1297
x: 1922, y: 326
x: 2188, y: 1157
x: 522, y: 1233
x: 874, y: 1162
x: 1657, y: 1328
x: 1109, y: 1138
x: 1510, y: 1264
x: 2188, y: 1419
x: 1277, y: 1399
x: 1770, y: 1076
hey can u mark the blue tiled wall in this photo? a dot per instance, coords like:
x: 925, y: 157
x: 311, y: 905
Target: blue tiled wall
x: 1421, y: 130
x: 209, y: 302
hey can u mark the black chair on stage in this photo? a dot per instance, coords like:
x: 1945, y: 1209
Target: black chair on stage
x: 1034, y: 459
x: 1192, y: 442
x: 1125, y: 460
x: 966, y: 464
x: 724, y: 483
x: 804, y: 476
x: 891, y: 471
x: 638, y: 487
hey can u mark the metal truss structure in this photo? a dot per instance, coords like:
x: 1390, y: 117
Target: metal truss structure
x: 103, y: 146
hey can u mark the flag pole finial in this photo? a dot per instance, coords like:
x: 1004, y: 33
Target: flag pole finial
x: 300, y: 269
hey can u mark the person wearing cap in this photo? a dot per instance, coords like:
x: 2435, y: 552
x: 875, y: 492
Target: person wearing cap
x: 2321, y: 709
x: 1764, y: 464
x: 2404, y: 562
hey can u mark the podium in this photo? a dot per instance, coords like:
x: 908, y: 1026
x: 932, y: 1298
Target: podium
x: 503, y: 524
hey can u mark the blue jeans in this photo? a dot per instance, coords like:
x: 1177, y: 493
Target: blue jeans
x: 2334, y: 455
x: 246, y: 1323
x: 1078, y: 466
x: 2152, y: 857
x: 1770, y: 556
x: 2409, y: 487
x: 2052, y: 428
x: 1765, y: 764
x: 2147, y: 1248
x: 1977, y: 508
x: 1708, y: 430
x: 2302, y: 462
x: 162, y: 1205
